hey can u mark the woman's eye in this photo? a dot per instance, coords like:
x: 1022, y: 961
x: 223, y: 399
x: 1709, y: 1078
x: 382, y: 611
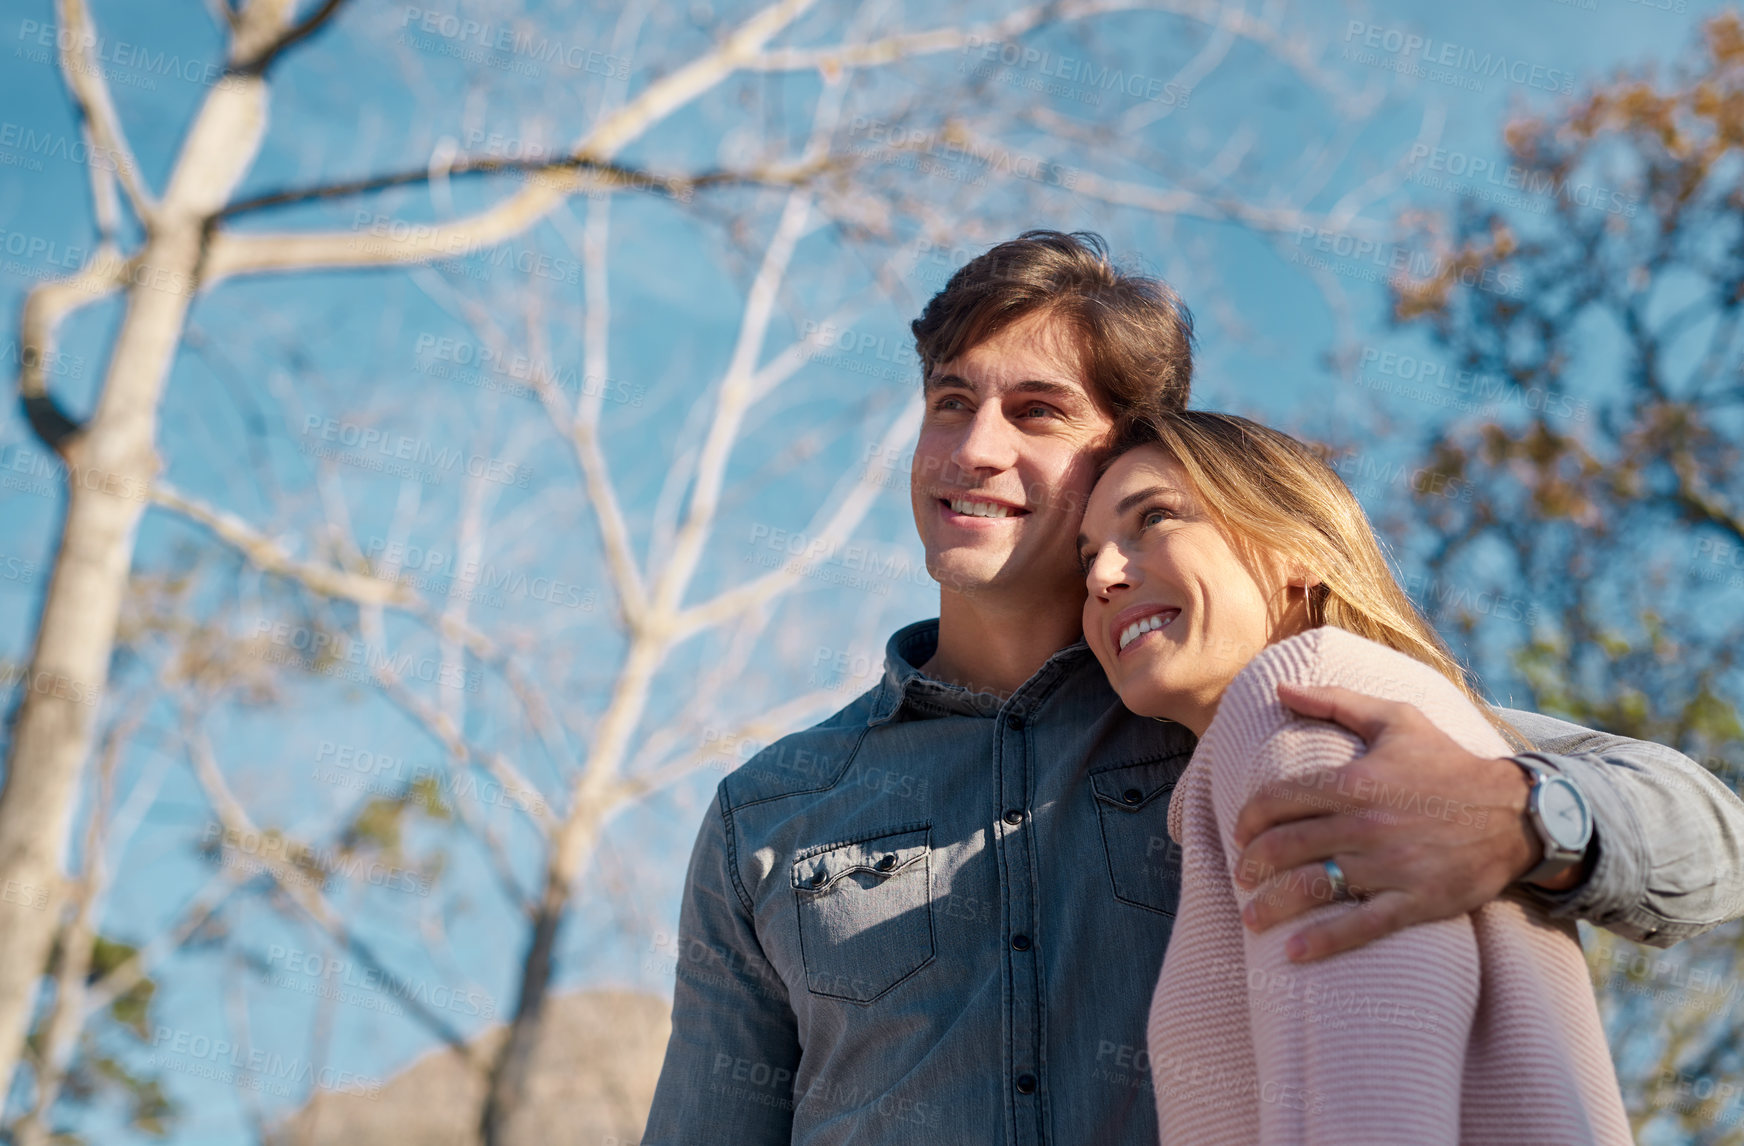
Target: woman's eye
x: 1155, y: 517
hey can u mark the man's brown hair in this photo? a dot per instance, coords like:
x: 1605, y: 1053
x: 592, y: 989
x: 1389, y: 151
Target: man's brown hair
x: 1134, y: 335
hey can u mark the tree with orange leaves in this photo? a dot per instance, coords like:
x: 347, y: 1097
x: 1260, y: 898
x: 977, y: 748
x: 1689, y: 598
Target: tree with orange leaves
x: 1615, y: 492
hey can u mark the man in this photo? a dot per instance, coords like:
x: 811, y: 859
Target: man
x: 947, y: 926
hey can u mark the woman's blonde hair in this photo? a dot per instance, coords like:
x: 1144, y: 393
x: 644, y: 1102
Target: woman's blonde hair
x: 1276, y: 497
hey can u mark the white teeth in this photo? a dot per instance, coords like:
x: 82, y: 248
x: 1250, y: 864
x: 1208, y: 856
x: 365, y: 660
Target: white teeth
x: 1144, y: 625
x: 980, y: 509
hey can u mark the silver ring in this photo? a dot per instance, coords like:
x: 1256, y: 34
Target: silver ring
x: 1340, y: 886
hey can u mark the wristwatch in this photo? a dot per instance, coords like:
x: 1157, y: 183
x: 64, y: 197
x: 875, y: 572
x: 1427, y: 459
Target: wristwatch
x: 1560, y: 815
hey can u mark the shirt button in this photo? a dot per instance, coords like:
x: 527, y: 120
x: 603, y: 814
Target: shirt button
x: 1014, y: 817
x: 1020, y: 943
x: 1026, y: 1083
x: 1014, y: 722
x: 1132, y: 795
x: 818, y: 877
x: 886, y: 863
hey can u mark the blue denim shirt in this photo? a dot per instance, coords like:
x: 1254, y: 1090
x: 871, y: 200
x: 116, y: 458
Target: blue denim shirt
x: 938, y: 916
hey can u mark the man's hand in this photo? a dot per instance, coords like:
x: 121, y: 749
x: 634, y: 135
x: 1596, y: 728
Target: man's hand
x: 1423, y: 829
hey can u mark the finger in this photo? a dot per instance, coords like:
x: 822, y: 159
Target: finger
x: 1291, y: 893
x: 1301, y: 842
x: 1278, y: 802
x: 1367, y: 716
x: 1387, y: 912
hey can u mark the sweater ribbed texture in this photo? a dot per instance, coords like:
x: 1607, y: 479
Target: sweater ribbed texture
x: 1476, y: 1030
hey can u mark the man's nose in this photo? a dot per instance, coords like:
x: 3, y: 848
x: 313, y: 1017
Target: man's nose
x: 989, y: 442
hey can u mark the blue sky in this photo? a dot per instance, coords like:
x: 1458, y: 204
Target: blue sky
x: 376, y: 94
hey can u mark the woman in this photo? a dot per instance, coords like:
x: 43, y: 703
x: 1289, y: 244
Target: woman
x: 1223, y: 558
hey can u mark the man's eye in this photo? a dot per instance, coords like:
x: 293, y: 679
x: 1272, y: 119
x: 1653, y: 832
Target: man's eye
x: 948, y: 403
x: 1038, y: 412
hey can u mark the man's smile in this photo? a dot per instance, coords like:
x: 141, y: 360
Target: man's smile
x: 976, y: 508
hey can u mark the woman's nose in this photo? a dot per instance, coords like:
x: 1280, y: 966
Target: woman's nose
x: 1108, y: 572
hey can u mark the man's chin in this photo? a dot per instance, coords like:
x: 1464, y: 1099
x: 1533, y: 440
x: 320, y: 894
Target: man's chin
x: 970, y: 573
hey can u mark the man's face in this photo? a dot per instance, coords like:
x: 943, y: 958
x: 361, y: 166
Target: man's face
x: 1005, y: 462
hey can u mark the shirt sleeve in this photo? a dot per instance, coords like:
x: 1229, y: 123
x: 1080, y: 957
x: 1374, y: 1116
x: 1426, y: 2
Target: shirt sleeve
x: 734, y: 1050
x: 1669, y: 835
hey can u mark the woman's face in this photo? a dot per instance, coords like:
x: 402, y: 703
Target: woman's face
x: 1173, y: 613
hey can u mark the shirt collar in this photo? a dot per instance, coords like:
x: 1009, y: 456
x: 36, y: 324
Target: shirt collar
x: 905, y: 684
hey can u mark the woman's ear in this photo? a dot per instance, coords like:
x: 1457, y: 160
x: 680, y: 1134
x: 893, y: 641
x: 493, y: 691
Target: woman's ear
x: 1300, y: 578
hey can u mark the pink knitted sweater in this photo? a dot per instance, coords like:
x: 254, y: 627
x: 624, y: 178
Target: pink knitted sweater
x: 1479, y: 1030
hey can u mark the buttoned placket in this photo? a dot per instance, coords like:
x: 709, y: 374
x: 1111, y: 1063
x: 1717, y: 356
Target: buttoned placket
x: 1015, y: 721
x: 1015, y: 786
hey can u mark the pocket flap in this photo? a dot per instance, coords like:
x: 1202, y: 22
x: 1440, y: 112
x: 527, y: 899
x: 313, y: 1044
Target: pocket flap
x: 1133, y: 786
x: 884, y: 855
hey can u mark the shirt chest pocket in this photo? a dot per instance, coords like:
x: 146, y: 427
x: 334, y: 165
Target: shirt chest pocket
x: 865, y: 913
x: 1132, y: 803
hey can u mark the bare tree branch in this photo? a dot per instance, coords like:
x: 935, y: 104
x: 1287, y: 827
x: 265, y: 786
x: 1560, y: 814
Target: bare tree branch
x: 294, y: 883
x: 259, y: 59
x: 231, y: 254
x: 90, y: 94
x: 44, y: 308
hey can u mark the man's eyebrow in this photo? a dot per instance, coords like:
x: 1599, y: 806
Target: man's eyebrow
x: 1052, y: 389
x: 947, y: 382
x: 1027, y: 386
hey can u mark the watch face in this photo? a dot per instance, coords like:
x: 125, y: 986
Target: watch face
x: 1565, y: 815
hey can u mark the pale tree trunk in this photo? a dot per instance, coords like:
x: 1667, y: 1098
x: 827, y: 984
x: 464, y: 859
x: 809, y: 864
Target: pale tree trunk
x: 111, y: 464
x: 112, y: 461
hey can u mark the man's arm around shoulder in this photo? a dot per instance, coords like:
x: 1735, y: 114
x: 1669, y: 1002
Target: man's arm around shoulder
x: 1668, y: 834
x: 734, y: 1050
